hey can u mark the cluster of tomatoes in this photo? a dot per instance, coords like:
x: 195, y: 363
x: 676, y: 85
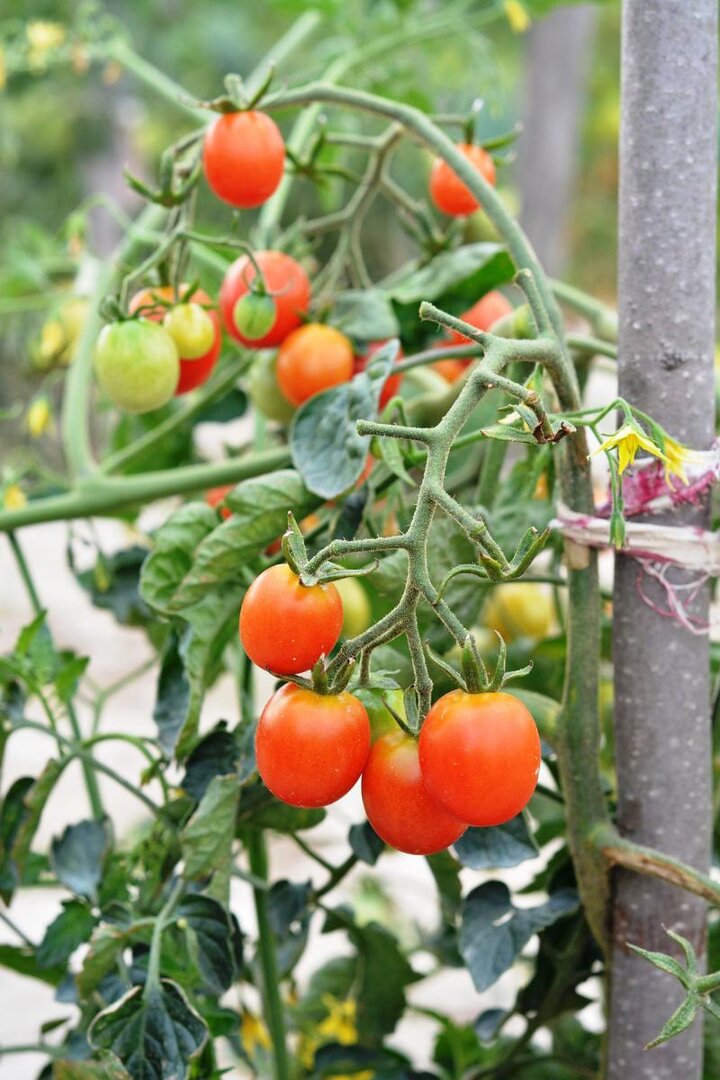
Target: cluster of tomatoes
x: 173, y: 341
x: 475, y: 761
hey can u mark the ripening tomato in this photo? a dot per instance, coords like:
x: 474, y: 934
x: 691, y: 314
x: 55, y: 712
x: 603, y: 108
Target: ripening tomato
x: 244, y: 158
x: 382, y: 721
x: 312, y: 359
x: 520, y: 609
x: 447, y: 190
x: 482, y: 315
x: 286, y: 626
x: 159, y: 301
x: 215, y: 498
x: 357, y: 613
x: 311, y: 748
x: 392, y: 383
x: 480, y: 756
x: 137, y: 365
x: 191, y: 328
x: 397, y: 802
x: 264, y: 391
x: 451, y: 370
x: 286, y: 282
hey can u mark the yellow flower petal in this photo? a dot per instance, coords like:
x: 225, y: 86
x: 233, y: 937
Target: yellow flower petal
x: 39, y: 418
x: 14, y: 497
x: 253, y: 1033
x: 517, y: 16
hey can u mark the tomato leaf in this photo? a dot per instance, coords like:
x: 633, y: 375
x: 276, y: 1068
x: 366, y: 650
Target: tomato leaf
x: 445, y: 869
x: 207, y: 838
x: 77, y: 857
x: 173, y: 555
x: 109, y: 1069
x: 215, y: 755
x: 364, y: 314
x: 366, y: 843
x: 490, y: 263
x: 113, y: 584
x: 210, y: 929
x: 172, y: 702
x: 494, y: 931
x: 154, y: 1032
x: 66, y: 932
x: 326, y: 448
x: 289, y: 915
x: 261, y: 810
x: 24, y: 961
x: 499, y: 846
x: 260, y: 508
x: 33, y: 802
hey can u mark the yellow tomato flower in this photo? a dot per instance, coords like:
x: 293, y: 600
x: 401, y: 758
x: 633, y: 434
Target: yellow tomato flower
x: 14, y: 497
x: 254, y: 1033
x: 339, y: 1024
x: 39, y: 418
x: 628, y: 440
x: 517, y: 16
x: 42, y: 38
x: 677, y: 457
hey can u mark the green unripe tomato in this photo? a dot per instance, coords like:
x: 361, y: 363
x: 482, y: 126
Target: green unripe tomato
x: 357, y: 613
x: 254, y: 315
x: 192, y: 330
x: 137, y: 365
x: 264, y: 391
x: 382, y: 720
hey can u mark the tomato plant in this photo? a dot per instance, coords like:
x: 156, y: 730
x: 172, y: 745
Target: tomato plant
x: 480, y: 756
x: 286, y: 626
x: 285, y: 281
x: 398, y: 803
x: 243, y: 158
x: 392, y: 383
x: 311, y: 748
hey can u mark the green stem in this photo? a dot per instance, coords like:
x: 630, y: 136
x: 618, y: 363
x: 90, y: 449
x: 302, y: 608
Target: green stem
x: 594, y: 346
x: 100, y: 496
x: 91, y: 784
x: 598, y: 314
x: 273, y: 1007
x: 490, y: 469
x: 4, y: 917
x: 152, y: 983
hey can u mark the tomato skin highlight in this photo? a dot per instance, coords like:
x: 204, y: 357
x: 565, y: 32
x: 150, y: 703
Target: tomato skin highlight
x: 484, y: 312
x: 398, y: 803
x: 480, y: 756
x: 193, y: 373
x: 244, y: 158
x: 285, y: 626
x: 284, y: 277
x: 311, y: 748
x: 392, y: 383
x: 312, y: 359
x: 137, y: 365
x: 447, y: 190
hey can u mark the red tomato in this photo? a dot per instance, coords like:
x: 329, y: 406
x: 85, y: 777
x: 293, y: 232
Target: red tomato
x: 284, y: 278
x: 215, y: 496
x: 193, y: 373
x: 480, y: 756
x: 392, y: 383
x: 482, y: 315
x: 311, y: 748
x: 286, y: 626
x: 397, y: 802
x: 448, y: 192
x: 312, y: 359
x: 244, y: 158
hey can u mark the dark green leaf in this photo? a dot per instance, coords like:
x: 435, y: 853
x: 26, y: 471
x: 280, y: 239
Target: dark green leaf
x: 364, y: 314
x: 457, y: 1049
x: 71, y: 928
x: 113, y: 585
x: 172, y: 703
x: 34, y: 801
x: 89, y: 1070
x: 11, y: 816
x: 366, y: 843
x: 210, y: 925
x: 488, y: 1024
x: 155, y: 1034
x: 448, y: 269
x: 289, y: 914
x: 77, y: 857
x: 499, y: 846
x: 335, y: 1059
x: 260, y: 508
x: 215, y: 755
x: 173, y: 555
x: 260, y: 809
x: 207, y: 838
x: 24, y: 961
x: 494, y: 932
x: 326, y: 448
